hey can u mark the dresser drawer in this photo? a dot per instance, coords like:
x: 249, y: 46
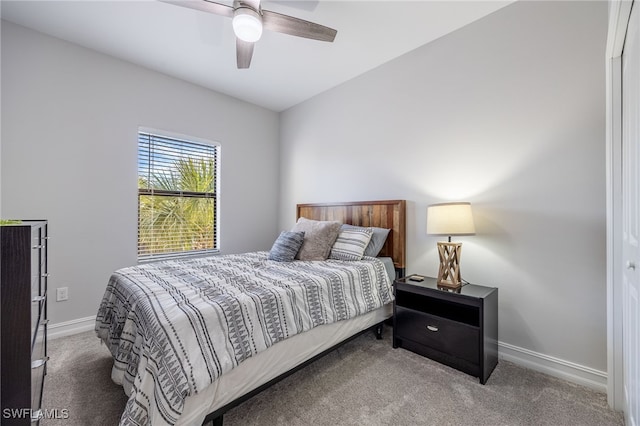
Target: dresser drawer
x: 38, y: 243
x: 37, y: 383
x: 36, y: 287
x: 36, y: 259
x: 37, y: 312
x: 38, y: 366
x: 38, y: 282
x: 451, y: 337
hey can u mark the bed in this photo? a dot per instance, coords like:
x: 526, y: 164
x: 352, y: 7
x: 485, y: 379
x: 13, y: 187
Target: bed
x: 185, y: 372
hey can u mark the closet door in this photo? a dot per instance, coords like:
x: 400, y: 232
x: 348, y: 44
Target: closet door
x: 631, y: 216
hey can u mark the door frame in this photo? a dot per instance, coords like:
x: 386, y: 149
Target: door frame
x: 619, y: 13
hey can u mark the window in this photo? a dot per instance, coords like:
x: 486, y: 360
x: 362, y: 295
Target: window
x: 177, y: 197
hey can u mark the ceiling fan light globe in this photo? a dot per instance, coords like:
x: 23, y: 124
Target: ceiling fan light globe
x: 247, y: 25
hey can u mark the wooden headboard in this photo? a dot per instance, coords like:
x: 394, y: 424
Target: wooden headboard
x: 389, y: 214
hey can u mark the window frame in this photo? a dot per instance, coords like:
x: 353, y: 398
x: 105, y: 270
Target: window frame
x: 162, y: 134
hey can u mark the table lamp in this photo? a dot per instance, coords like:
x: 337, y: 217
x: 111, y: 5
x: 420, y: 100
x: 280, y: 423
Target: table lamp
x: 449, y: 219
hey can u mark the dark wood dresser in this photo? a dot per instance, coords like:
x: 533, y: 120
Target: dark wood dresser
x: 457, y: 328
x: 23, y: 315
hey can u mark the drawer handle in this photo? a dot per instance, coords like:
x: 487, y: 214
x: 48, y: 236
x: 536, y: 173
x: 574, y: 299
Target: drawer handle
x: 45, y: 275
x: 39, y: 246
x: 39, y: 362
x: 38, y: 299
x: 432, y: 328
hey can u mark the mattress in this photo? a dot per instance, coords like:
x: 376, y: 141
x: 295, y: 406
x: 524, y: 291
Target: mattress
x: 279, y: 359
x: 276, y: 360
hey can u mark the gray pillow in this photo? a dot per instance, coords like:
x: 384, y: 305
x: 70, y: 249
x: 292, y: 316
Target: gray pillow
x: 378, y: 239
x: 286, y: 246
x: 319, y: 236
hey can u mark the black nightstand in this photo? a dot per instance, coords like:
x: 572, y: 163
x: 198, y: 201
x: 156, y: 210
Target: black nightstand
x: 457, y: 328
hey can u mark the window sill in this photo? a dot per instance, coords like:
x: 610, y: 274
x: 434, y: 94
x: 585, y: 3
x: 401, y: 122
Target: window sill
x: 175, y: 256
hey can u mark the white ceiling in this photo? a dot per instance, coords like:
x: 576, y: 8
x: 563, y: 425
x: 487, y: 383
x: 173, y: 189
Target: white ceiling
x: 200, y: 48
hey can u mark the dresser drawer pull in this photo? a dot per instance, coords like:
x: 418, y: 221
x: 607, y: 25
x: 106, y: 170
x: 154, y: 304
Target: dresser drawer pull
x: 432, y: 328
x: 39, y: 362
x: 38, y: 299
x: 45, y: 275
x: 39, y: 246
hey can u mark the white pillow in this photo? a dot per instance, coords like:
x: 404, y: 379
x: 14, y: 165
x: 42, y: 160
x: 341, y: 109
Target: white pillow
x: 351, y: 244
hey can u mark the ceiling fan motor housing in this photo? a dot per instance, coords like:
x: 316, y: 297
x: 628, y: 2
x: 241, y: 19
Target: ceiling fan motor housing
x: 247, y: 24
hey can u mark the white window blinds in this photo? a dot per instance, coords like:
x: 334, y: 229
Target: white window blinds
x: 177, y: 200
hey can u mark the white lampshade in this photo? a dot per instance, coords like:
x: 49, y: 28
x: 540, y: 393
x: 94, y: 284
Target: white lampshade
x: 450, y: 219
x: 247, y: 24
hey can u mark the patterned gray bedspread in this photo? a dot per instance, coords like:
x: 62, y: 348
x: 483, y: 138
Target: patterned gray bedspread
x: 173, y: 327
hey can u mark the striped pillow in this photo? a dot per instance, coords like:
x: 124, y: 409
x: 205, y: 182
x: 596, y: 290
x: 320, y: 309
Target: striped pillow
x: 286, y: 246
x: 378, y: 239
x: 351, y: 243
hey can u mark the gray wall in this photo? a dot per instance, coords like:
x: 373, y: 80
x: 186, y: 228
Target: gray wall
x: 507, y: 113
x: 69, y: 154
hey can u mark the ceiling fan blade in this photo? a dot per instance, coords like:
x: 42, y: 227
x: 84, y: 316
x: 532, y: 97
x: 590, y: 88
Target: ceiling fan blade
x: 297, y: 27
x: 244, y: 52
x: 204, y: 5
x: 309, y: 5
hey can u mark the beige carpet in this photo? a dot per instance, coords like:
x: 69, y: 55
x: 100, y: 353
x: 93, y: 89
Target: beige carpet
x: 366, y: 382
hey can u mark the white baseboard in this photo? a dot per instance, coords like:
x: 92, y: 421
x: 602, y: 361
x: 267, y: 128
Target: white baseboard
x: 552, y: 366
x: 67, y: 328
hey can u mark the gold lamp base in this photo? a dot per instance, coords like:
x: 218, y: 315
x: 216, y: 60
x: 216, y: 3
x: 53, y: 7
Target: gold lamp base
x: 449, y: 271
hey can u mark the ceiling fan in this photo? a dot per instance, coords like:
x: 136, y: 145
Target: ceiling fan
x: 249, y: 19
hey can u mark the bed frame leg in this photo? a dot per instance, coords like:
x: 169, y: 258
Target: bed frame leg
x: 379, y: 331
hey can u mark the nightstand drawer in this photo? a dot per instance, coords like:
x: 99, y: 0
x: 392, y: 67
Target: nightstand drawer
x: 458, y: 339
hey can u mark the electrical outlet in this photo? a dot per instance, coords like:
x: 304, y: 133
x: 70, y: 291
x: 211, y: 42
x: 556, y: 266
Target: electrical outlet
x: 62, y: 293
